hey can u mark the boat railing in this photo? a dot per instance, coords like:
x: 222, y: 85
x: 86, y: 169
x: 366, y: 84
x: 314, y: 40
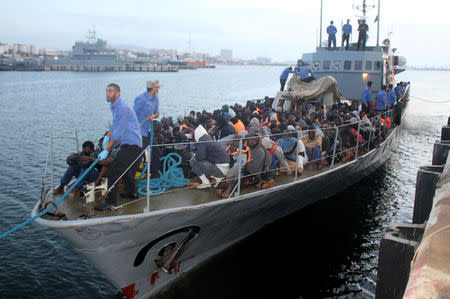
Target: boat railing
x: 333, y: 156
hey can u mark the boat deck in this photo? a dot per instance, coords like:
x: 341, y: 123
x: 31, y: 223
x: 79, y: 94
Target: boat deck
x: 75, y: 207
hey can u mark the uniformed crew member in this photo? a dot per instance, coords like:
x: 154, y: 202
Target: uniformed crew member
x: 125, y: 130
x: 146, y: 106
x: 346, y: 31
x: 331, y: 30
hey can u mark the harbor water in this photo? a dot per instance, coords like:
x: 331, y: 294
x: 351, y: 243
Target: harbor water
x: 329, y: 249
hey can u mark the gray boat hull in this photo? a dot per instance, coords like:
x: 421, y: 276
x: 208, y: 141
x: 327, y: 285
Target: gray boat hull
x: 125, y: 247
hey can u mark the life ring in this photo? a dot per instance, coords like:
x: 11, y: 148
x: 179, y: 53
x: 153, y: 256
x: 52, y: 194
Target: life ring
x: 392, y: 75
x: 337, y: 65
x: 316, y: 65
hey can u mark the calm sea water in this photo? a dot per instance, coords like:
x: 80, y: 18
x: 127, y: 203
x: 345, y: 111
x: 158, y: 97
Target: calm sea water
x: 326, y: 250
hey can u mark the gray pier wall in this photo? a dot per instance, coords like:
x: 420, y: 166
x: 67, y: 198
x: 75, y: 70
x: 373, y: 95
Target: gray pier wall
x: 414, y: 259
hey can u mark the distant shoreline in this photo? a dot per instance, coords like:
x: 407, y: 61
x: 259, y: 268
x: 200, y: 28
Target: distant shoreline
x: 441, y: 69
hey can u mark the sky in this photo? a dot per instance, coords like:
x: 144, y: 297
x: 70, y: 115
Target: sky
x: 281, y: 30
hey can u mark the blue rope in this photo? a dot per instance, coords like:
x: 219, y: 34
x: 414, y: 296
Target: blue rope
x: 52, y: 207
x: 172, y: 176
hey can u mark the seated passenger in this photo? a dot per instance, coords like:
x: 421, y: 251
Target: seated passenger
x: 258, y: 166
x: 78, y: 164
x: 232, y: 176
x: 105, y: 163
x: 289, y: 143
x: 210, y: 160
x: 166, y: 130
x: 277, y: 154
x: 223, y: 130
x: 182, y: 131
x: 313, y: 144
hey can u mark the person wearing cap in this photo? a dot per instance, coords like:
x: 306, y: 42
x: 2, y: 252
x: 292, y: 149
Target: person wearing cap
x: 126, y: 132
x: 146, y: 106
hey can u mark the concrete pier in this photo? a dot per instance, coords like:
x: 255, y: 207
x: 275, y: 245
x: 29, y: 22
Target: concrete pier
x: 430, y: 275
x: 411, y: 265
x: 104, y: 68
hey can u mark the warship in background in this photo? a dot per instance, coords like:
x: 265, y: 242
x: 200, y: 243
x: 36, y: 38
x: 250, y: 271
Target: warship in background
x: 96, y: 55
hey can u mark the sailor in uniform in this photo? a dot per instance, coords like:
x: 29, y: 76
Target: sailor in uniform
x: 125, y: 131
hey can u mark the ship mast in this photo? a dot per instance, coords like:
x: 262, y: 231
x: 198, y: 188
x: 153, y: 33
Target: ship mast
x: 320, y: 35
x: 378, y: 24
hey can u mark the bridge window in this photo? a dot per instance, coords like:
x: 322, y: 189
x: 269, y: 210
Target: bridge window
x: 347, y: 65
x: 326, y: 64
x: 358, y: 65
x: 368, y: 65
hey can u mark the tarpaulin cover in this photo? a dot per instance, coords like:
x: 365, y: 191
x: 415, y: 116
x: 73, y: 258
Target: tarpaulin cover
x: 323, y: 90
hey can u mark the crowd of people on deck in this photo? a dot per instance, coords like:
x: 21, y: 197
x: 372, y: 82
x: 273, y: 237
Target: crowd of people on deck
x: 248, y: 144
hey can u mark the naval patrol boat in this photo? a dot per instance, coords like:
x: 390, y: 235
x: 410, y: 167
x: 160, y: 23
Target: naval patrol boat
x: 146, y: 245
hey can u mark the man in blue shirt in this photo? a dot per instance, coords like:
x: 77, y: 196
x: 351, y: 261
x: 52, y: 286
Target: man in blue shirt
x: 399, y: 91
x: 381, y: 99
x: 306, y: 74
x: 365, y: 97
x: 391, y: 96
x: 346, y: 31
x: 283, y: 77
x: 146, y: 106
x: 125, y: 131
x: 331, y: 30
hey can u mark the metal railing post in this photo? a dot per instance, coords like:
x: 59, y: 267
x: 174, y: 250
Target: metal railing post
x: 335, y: 145
x: 52, y: 158
x: 357, y: 140
x: 77, y: 141
x: 238, y: 191
x: 147, y: 209
x: 297, y: 159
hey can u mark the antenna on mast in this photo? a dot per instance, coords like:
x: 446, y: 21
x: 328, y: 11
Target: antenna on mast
x: 91, y: 34
x: 363, y: 8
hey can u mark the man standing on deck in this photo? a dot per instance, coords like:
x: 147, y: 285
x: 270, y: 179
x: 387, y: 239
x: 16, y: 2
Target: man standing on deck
x: 365, y: 97
x: 331, y: 30
x: 284, y: 76
x: 362, y: 36
x: 381, y: 99
x: 346, y: 31
x: 146, y: 107
x: 399, y: 91
x: 391, y: 98
x: 125, y: 130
